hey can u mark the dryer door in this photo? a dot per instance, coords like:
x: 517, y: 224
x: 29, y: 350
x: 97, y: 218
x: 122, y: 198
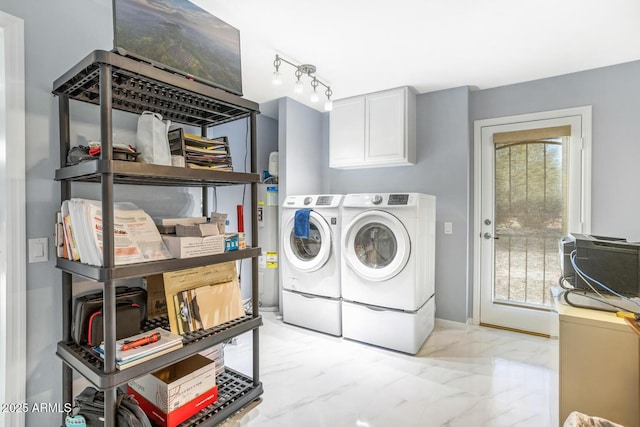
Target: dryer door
x: 376, y: 245
x: 312, y: 253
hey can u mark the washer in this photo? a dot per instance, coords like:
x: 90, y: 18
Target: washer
x: 311, y: 295
x: 387, y: 268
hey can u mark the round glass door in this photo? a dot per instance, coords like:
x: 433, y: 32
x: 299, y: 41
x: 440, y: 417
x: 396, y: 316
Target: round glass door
x: 376, y: 245
x: 308, y: 254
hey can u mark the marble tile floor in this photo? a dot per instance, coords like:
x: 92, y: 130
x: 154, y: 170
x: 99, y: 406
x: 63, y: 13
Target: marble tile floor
x: 463, y: 376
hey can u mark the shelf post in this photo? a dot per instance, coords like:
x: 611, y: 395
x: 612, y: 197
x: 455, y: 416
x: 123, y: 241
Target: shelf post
x: 108, y: 258
x: 67, y: 279
x: 254, y: 243
x: 205, y: 189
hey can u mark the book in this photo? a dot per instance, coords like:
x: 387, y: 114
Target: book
x: 166, y: 340
x: 72, y: 250
x: 142, y: 359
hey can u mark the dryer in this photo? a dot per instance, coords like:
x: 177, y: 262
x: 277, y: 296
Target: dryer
x: 311, y: 266
x: 387, y: 269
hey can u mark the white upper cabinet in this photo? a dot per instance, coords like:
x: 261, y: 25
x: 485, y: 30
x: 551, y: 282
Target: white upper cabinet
x: 373, y: 130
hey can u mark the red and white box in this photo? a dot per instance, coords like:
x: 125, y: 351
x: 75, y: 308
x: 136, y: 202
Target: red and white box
x: 173, y: 386
x: 178, y: 415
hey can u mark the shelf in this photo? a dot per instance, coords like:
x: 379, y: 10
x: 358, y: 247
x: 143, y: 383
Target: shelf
x: 102, y: 274
x: 235, y: 391
x: 145, y: 174
x: 138, y: 86
x: 89, y: 364
x: 109, y: 81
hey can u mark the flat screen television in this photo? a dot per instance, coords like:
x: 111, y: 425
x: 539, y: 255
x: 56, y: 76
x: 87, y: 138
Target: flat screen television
x: 179, y: 36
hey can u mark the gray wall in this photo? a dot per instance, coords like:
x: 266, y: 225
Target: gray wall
x: 300, y: 138
x: 225, y: 199
x: 58, y: 34
x: 614, y: 94
x: 441, y: 170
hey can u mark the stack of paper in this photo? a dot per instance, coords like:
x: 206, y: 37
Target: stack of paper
x: 205, y: 153
x: 136, y: 238
x: 166, y: 343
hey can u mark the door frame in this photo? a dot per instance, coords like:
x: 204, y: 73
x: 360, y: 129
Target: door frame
x: 13, y: 313
x: 585, y: 177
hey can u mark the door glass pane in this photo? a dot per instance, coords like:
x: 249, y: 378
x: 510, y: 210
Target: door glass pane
x: 307, y: 249
x: 375, y: 245
x: 530, y: 208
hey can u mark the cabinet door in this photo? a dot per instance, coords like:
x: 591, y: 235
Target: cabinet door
x: 386, y: 128
x: 346, y: 133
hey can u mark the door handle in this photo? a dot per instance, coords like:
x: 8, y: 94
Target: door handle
x: 489, y: 236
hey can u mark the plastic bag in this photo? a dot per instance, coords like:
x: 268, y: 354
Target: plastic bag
x: 151, y: 139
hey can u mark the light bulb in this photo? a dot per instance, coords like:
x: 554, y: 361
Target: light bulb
x: 328, y: 105
x: 298, y: 87
x: 277, y: 78
x: 314, y: 96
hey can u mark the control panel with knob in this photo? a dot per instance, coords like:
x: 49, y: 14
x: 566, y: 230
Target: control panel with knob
x: 377, y: 199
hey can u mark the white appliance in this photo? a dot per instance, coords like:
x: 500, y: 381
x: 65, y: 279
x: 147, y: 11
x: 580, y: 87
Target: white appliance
x: 311, y: 266
x: 268, y: 238
x: 387, y: 267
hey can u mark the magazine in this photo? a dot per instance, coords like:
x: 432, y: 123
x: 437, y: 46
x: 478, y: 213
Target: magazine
x: 146, y: 345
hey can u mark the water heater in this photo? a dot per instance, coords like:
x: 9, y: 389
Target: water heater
x: 268, y: 238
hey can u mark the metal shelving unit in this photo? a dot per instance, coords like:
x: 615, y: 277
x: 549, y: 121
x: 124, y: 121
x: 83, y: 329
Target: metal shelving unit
x: 112, y: 81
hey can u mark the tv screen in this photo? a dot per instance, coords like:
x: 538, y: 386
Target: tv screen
x: 182, y: 37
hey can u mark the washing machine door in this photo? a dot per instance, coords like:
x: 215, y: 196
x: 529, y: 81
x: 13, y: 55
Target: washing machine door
x: 308, y: 254
x: 376, y: 245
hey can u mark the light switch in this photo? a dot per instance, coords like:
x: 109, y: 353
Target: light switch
x: 39, y: 249
x: 448, y: 228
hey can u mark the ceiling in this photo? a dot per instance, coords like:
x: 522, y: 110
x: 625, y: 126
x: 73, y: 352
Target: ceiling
x: 362, y: 46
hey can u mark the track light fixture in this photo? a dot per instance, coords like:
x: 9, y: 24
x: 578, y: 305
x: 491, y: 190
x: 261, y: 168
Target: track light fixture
x: 298, y: 88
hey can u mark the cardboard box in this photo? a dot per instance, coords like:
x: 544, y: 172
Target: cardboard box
x: 181, y: 289
x: 189, y: 247
x: 156, y: 300
x: 197, y: 230
x: 177, y: 416
x: 173, y: 386
x: 231, y: 243
x: 215, y: 353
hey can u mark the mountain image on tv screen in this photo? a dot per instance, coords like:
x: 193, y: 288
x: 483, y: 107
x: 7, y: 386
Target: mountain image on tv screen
x: 180, y: 36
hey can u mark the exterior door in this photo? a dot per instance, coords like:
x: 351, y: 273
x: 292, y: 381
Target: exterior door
x: 533, y: 189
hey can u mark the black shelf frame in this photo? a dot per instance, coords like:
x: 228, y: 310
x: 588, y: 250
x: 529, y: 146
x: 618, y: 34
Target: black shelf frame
x: 115, y: 82
x: 235, y: 391
x: 88, y: 363
x: 136, y: 86
x: 128, y: 271
x: 135, y: 173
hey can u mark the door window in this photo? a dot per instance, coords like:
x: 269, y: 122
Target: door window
x: 306, y: 249
x: 375, y: 245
